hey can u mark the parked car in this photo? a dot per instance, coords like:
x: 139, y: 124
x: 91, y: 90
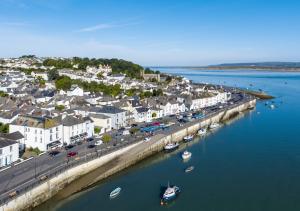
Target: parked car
x: 79, y: 142
x: 126, y: 132
x: 53, y: 153
x: 70, y: 146
x: 90, y: 139
x: 91, y: 146
x: 99, y: 142
x: 72, y: 154
x: 147, y: 139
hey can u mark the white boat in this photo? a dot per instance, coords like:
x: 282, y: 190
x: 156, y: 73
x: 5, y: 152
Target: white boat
x: 272, y: 106
x: 186, y: 155
x: 115, y: 192
x: 170, y: 194
x: 214, y: 126
x: 202, y: 131
x: 188, y: 138
x: 171, y: 146
x: 189, y: 169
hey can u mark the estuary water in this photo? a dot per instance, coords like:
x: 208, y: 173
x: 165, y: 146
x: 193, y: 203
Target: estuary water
x: 252, y: 163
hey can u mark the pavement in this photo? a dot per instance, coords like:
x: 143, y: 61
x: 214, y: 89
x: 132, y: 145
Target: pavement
x: 31, y: 170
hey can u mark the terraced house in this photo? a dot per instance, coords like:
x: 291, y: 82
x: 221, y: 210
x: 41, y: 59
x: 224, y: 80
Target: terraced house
x: 39, y: 132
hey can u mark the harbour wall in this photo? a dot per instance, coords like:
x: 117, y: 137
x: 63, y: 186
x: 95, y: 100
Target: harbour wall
x: 121, y: 158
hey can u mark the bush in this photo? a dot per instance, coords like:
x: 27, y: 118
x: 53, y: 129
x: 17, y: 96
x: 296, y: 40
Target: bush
x: 106, y: 138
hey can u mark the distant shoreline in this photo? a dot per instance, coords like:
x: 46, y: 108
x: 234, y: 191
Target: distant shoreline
x: 269, y: 69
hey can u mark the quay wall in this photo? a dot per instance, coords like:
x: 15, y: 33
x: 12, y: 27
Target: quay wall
x: 123, y: 158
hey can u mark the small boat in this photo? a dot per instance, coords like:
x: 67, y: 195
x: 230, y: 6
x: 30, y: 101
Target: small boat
x: 202, y: 131
x: 188, y: 138
x: 186, y: 155
x: 189, y: 169
x: 170, y: 194
x: 115, y: 192
x: 214, y: 126
x: 272, y: 106
x: 171, y: 146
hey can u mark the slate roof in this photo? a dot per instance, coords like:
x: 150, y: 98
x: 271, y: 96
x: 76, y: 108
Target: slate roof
x: 6, y: 142
x: 106, y: 109
x: 12, y: 136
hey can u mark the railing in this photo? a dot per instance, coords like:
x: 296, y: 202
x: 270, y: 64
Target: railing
x: 61, y: 167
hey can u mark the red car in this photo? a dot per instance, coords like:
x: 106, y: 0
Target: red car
x: 72, y: 154
x: 155, y: 123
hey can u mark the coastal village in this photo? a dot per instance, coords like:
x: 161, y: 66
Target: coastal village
x: 44, y: 107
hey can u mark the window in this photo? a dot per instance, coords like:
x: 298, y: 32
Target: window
x: 0, y: 151
x: 35, y: 139
x: 51, y: 130
x: 41, y: 140
x: 10, y: 148
x: 35, y: 131
x: 56, y: 135
x: 56, y: 128
x: 50, y: 137
x: 41, y: 132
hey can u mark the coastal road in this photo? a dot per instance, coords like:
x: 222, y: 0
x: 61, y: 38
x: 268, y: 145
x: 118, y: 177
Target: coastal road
x: 32, y: 169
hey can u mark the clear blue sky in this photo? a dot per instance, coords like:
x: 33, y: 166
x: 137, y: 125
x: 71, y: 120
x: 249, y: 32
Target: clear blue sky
x: 153, y: 32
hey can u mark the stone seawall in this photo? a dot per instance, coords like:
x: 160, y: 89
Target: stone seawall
x: 117, y: 160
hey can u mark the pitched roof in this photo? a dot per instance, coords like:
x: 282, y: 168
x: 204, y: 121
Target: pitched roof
x: 6, y: 142
x: 12, y: 136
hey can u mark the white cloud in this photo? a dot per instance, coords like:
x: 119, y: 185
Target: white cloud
x: 106, y: 26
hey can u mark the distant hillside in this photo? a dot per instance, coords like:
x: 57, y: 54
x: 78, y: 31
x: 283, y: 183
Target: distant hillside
x: 275, y: 66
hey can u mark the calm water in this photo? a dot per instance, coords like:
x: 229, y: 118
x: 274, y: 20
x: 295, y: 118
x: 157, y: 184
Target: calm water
x: 253, y: 163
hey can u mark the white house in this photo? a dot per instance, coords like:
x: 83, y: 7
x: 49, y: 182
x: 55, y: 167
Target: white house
x: 39, y: 132
x: 102, y: 121
x: 142, y: 114
x: 118, y: 116
x: 9, y: 151
x: 43, y: 75
x: 7, y: 117
x: 15, y: 137
x: 76, y: 128
x: 75, y: 91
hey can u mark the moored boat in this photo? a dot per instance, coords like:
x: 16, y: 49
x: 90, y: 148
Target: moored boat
x: 189, y: 169
x: 170, y: 194
x: 115, y: 192
x: 202, y: 131
x: 188, y: 138
x: 186, y: 155
x: 171, y: 146
x: 214, y: 126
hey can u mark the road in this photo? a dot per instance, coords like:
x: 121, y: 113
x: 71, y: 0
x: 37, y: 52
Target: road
x: 18, y: 176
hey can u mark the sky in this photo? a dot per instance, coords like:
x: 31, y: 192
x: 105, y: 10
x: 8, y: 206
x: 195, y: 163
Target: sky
x: 153, y: 32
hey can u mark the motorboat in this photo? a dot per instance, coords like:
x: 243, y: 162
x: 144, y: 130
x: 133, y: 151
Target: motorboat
x: 272, y: 106
x: 202, y: 131
x: 214, y: 126
x: 171, y: 146
x: 188, y: 138
x: 189, y: 169
x: 115, y: 192
x: 186, y: 155
x: 170, y: 194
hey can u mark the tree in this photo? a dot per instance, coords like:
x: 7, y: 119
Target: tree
x: 3, y: 94
x: 4, y: 128
x: 154, y: 115
x: 53, y: 75
x: 60, y: 107
x: 97, y: 130
x: 63, y: 83
x: 100, y: 76
x: 41, y: 80
x: 106, y: 138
